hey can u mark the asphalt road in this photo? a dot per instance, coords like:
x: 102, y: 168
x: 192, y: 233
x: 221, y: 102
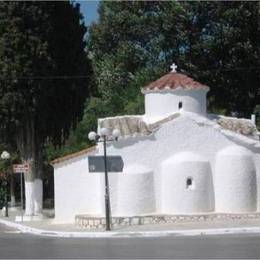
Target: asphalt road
x: 14, y: 244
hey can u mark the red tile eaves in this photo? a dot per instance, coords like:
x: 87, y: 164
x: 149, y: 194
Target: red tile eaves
x: 174, y: 80
x: 73, y: 155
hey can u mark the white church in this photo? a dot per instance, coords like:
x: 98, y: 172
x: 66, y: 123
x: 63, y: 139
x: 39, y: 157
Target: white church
x: 177, y: 160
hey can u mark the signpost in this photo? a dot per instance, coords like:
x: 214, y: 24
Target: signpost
x: 106, y: 164
x: 114, y: 163
x: 21, y: 168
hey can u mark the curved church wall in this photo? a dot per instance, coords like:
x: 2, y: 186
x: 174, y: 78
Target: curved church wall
x: 160, y: 104
x: 132, y: 193
x: 179, y: 135
x: 186, y: 185
x: 235, y: 180
x: 257, y: 165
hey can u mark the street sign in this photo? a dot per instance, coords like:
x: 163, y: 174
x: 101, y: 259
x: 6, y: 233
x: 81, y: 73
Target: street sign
x: 114, y: 163
x: 21, y: 168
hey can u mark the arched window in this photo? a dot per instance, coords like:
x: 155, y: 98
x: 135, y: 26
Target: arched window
x: 189, y: 183
x: 180, y: 105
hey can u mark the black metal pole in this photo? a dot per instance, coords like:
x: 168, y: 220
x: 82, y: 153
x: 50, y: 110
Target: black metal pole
x: 21, y: 180
x: 6, y: 196
x: 107, y: 199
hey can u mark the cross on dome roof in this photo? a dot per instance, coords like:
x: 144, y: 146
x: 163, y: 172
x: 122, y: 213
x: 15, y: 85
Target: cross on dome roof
x: 173, y: 67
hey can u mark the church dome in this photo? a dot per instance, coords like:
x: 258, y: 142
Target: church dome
x: 173, y: 81
x: 174, y: 92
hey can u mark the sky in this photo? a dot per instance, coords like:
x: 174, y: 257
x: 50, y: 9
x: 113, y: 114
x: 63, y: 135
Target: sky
x: 89, y: 10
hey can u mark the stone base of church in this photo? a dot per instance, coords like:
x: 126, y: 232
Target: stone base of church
x: 92, y: 222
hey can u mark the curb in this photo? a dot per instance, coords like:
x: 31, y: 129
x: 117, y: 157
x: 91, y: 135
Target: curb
x: 122, y: 234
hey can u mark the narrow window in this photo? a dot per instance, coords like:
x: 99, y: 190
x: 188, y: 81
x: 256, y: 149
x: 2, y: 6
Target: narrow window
x: 180, y: 105
x: 189, y: 183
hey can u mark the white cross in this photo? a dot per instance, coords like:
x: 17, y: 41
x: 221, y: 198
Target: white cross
x: 173, y: 67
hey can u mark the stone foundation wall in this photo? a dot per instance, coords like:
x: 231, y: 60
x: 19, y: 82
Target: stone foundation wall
x: 90, y: 222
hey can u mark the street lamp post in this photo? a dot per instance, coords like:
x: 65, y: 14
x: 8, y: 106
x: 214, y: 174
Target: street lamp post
x: 6, y: 156
x: 104, y: 138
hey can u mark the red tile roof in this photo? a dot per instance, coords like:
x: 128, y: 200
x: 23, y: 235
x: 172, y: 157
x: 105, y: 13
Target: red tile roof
x: 73, y: 155
x: 173, y: 81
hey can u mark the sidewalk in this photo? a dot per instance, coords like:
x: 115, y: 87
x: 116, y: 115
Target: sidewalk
x: 46, y: 227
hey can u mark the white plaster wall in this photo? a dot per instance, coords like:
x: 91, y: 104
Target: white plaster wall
x: 161, y: 104
x: 257, y: 165
x: 38, y: 196
x: 235, y: 180
x: 33, y: 195
x: 29, y: 202
x: 76, y: 190
x: 84, y: 191
x: 179, y: 135
x: 176, y: 196
x: 132, y: 194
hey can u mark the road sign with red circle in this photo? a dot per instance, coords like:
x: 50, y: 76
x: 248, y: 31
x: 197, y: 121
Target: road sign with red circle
x: 21, y: 168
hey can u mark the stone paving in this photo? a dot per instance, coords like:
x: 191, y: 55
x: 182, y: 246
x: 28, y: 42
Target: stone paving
x: 91, y: 222
x: 150, y: 223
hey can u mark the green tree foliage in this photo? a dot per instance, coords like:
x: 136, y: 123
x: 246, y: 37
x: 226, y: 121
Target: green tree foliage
x: 126, y: 51
x: 134, y: 43
x: 224, y: 52
x: 42, y: 61
x: 215, y: 42
x: 39, y: 42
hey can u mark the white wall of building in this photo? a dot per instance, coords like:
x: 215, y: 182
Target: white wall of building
x: 161, y: 104
x: 189, y: 132
x: 257, y: 166
x: 179, y: 135
x: 76, y: 190
x: 138, y: 190
x: 132, y: 193
x: 235, y: 180
x: 187, y: 185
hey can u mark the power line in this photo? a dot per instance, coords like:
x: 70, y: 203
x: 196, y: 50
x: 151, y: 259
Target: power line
x: 85, y: 77
x: 47, y: 77
x: 239, y: 69
x: 64, y: 77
